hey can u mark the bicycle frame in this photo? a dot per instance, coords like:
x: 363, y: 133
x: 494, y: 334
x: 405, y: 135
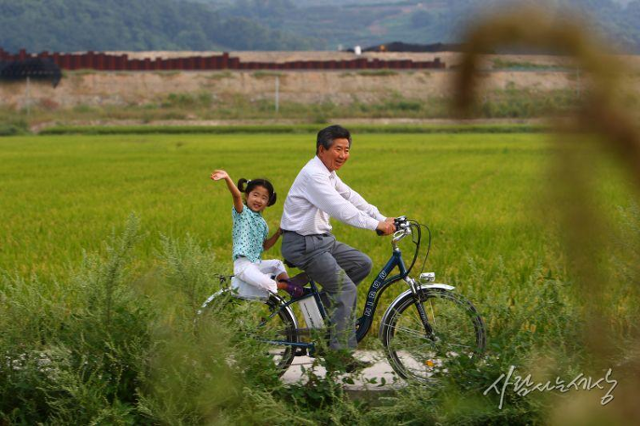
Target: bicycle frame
x: 378, y: 286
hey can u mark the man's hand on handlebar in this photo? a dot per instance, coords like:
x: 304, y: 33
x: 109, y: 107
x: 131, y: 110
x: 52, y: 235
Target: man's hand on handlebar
x: 390, y: 219
x: 386, y: 228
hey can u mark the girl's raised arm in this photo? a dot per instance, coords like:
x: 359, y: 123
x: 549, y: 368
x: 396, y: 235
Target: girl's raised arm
x: 235, y: 192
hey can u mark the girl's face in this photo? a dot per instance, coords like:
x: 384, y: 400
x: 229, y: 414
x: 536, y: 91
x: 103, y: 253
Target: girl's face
x: 258, y: 198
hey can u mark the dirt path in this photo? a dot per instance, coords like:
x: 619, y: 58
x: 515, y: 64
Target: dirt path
x: 380, y: 377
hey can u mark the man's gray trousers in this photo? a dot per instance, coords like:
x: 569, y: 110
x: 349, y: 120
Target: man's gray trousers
x: 338, y: 268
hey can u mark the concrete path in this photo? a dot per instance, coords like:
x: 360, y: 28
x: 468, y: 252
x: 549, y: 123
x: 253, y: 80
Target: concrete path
x: 370, y: 379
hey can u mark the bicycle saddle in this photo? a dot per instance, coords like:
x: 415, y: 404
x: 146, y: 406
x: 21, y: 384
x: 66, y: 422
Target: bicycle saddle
x: 300, y: 280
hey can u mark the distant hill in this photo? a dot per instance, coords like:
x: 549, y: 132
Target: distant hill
x: 371, y: 22
x: 78, y: 25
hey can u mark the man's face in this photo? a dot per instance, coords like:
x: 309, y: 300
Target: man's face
x: 334, y: 157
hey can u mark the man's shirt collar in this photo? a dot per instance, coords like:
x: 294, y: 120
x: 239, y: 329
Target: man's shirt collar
x: 320, y: 165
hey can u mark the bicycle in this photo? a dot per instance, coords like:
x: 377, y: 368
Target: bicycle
x: 421, y: 329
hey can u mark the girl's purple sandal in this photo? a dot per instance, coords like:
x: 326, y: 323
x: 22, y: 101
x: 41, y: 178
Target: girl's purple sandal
x: 293, y: 289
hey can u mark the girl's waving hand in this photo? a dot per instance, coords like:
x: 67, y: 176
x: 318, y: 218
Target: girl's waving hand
x: 219, y: 174
x: 235, y: 192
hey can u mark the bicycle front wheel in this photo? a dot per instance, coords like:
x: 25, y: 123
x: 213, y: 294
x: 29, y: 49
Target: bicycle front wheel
x: 418, y: 349
x: 257, y: 325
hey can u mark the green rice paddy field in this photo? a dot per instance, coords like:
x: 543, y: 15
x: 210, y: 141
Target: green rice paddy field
x: 484, y: 196
x: 487, y: 198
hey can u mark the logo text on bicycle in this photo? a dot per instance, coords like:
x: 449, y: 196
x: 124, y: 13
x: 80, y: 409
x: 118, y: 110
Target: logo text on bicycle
x: 368, y: 310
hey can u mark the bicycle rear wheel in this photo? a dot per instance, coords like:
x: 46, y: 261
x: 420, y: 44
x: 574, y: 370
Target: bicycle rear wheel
x: 417, y: 353
x: 272, y: 329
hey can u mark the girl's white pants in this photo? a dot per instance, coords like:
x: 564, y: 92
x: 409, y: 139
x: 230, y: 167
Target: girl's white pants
x: 254, y: 279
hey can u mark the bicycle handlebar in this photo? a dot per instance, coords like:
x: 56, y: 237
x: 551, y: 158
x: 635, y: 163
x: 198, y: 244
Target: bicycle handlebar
x: 405, y: 227
x: 400, y: 223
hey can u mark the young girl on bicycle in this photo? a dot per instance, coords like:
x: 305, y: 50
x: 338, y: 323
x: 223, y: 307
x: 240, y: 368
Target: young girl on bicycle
x: 250, y: 233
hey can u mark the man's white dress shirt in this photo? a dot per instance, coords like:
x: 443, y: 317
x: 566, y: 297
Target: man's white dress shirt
x: 318, y: 194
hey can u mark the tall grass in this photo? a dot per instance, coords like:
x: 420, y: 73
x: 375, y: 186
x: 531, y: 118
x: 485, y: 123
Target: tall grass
x: 119, y: 342
x: 74, y: 343
x: 110, y: 346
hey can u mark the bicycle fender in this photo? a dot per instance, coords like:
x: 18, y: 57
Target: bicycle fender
x: 210, y: 298
x: 287, y: 309
x: 440, y: 286
x: 404, y: 295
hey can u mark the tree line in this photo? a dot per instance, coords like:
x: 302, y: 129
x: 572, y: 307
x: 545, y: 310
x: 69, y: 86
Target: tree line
x: 200, y: 25
x: 81, y: 25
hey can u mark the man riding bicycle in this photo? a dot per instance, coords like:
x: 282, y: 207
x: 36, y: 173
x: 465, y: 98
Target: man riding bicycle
x: 317, y: 194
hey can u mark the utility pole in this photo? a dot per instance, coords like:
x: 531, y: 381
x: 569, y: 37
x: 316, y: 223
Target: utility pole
x: 28, y: 96
x: 277, y: 93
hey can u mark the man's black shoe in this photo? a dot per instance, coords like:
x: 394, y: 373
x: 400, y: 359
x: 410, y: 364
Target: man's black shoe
x: 357, y: 365
x: 344, y: 361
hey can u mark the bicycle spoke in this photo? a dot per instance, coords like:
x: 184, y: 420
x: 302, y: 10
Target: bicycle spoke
x: 457, y: 345
x: 411, y: 331
x: 433, y: 315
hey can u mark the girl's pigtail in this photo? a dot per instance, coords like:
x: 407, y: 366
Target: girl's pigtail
x: 241, y: 183
x: 272, y: 200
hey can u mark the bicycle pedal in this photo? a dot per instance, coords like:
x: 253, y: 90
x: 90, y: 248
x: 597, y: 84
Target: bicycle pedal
x: 317, y: 352
x: 303, y: 332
